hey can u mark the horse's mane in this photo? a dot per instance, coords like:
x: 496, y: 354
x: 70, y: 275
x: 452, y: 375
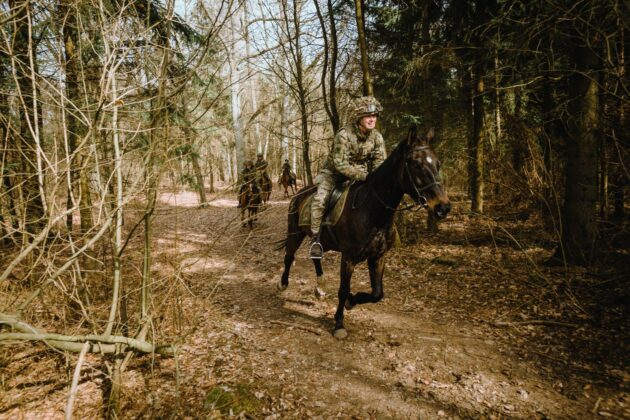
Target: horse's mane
x: 389, y: 163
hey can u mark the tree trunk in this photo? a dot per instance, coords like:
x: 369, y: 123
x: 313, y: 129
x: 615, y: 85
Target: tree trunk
x: 603, y: 177
x: 622, y: 131
x: 8, y: 215
x: 191, y: 136
x: 194, y: 156
x: 579, y: 209
x: 23, y: 63
x: 549, y: 204
x: 427, y: 94
x: 76, y: 128
x: 302, y: 94
x: 329, y: 92
x: 497, y: 102
x: 211, y: 172
x: 235, y: 88
x: 300, y: 89
x: 368, y: 89
x: 251, y: 81
x: 476, y: 150
x: 285, y: 119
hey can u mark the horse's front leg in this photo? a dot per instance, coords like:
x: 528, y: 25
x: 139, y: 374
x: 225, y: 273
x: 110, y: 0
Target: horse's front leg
x: 347, y: 268
x: 376, y: 266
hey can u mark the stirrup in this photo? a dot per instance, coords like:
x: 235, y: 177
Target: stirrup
x: 316, y: 251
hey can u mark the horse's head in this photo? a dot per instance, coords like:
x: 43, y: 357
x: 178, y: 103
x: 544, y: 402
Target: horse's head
x: 421, y: 174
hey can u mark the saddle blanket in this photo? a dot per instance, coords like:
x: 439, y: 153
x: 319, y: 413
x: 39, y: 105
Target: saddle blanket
x: 331, y: 216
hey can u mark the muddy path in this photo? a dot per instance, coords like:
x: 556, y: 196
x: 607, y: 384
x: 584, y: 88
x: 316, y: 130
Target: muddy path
x: 471, y: 326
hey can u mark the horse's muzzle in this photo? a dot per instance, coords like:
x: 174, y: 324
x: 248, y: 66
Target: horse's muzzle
x: 441, y: 210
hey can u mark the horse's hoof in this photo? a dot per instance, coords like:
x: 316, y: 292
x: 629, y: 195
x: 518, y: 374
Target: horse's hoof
x: 319, y: 293
x: 281, y: 287
x: 348, y: 305
x: 340, y: 334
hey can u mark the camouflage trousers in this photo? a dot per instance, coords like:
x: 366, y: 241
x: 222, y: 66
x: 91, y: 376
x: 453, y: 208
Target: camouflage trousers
x: 325, y: 184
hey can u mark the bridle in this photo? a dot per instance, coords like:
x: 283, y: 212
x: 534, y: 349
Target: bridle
x: 419, y: 199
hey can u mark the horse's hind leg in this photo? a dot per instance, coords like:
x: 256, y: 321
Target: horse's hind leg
x: 319, y: 291
x: 294, y: 240
x: 251, y: 218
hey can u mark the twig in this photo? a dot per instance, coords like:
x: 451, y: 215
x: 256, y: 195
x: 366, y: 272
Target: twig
x: 427, y: 338
x: 298, y: 326
x: 596, y: 406
x: 63, y: 268
x: 75, y: 381
x: 533, y: 322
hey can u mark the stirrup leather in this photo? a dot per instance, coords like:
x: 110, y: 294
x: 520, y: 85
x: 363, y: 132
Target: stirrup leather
x: 316, y: 251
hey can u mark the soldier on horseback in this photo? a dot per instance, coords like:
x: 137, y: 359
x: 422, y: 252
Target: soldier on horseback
x: 286, y: 166
x: 261, y: 169
x: 358, y: 149
x: 247, y: 176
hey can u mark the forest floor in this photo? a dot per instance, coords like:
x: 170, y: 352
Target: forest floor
x: 473, y: 325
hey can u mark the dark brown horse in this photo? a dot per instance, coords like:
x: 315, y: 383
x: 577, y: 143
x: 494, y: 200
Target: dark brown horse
x: 287, y: 179
x: 249, y: 200
x: 365, y: 230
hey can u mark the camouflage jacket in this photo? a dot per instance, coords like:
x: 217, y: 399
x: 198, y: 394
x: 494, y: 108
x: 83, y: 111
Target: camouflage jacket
x: 248, y: 175
x: 354, y: 155
x: 261, y: 165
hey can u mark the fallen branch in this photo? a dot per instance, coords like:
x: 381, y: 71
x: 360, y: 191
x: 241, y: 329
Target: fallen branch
x: 74, y: 343
x: 99, y: 343
x: 298, y: 326
x: 533, y: 322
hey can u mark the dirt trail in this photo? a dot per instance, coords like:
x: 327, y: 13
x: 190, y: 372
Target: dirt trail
x: 403, y: 359
x: 430, y: 349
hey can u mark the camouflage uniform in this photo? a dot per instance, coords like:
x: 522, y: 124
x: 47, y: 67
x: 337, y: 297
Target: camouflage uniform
x: 247, y: 176
x: 261, y: 170
x: 353, y: 156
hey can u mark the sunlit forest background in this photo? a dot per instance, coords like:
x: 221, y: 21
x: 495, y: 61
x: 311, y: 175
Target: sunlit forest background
x: 106, y: 104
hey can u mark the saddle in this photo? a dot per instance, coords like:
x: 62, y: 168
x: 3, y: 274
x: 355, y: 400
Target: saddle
x: 334, y: 206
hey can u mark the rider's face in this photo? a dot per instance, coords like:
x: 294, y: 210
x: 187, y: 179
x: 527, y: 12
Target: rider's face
x: 367, y: 123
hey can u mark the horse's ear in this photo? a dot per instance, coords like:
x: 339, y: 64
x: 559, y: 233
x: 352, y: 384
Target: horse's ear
x: 412, y: 135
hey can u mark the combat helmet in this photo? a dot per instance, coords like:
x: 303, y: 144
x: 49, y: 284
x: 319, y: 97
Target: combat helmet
x: 364, y: 106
